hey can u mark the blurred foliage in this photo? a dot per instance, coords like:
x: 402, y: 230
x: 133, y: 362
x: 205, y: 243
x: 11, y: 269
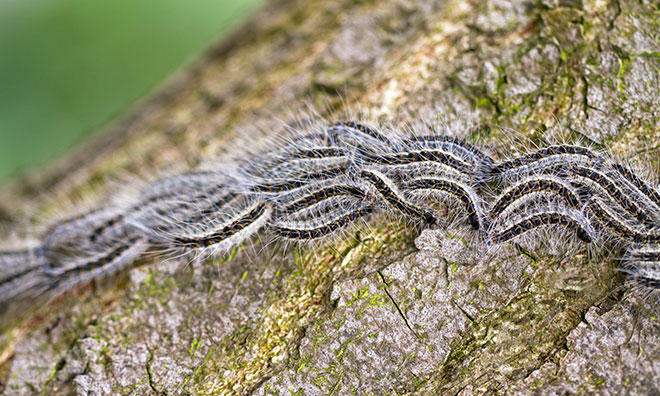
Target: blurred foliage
x: 68, y: 66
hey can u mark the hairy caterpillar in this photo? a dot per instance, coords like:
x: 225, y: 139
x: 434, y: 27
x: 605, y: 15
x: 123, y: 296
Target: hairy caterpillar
x: 544, y: 159
x: 421, y: 156
x: 217, y: 233
x: 359, y: 133
x: 639, y: 184
x: 115, y: 258
x: 392, y: 196
x: 454, y: 145
x: 463, y: 193
x: 21, y: 271
x: 642, y: 264
x: 545, y: 217
x: 529, y: 187
x: 324, y: 194
x: 323, y: 227
x: 278, y: 186
x: 630, y: 234
x: 318, y: 183
x: 609, y: 187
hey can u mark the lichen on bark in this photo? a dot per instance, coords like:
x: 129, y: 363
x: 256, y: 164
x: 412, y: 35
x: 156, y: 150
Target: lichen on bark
x: 387, y: 309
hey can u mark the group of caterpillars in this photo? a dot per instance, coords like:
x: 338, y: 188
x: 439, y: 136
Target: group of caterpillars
x: 318, y: 182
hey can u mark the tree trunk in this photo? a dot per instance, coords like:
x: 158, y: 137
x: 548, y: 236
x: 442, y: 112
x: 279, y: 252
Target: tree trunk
x: 393, y: 311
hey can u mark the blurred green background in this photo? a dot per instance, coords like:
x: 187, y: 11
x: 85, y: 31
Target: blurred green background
x: 68, y: 66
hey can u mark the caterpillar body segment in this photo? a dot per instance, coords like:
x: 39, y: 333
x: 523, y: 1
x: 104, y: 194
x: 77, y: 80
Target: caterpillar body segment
x: 596, y: 183
x: 306, y: 231
x: 481, y: 162
x: 227, y: 231
x: 645, y: 255
x: 642, y: 265
x: 646, y: 274
x: 571, y: 219
x: 280, y: 186
x: 17, y: 259
x: 81, y: 268
x: 277, y: 173
x: 180, y: 212
x: 301, y: 169
x: 85, y: 232
x: 457, y: 146
x: 637, y: 184
x: 529, y: 190
x: 362, y: 134
x: 343, y: 133
x: 211, y: 208
x: 317, y: 152
x: 394, y: 198
x: 21, y: 271
x: 607, y: 218
x: 456, y: 189
x: 320, y: 195
x: 544, y: 159
x: 414, y: 157
x: 182, y: 184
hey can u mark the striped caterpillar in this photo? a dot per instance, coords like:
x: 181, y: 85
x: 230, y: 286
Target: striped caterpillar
x: 319, y: 183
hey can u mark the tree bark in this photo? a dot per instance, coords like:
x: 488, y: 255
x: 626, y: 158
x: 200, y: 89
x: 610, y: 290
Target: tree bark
x: 398, y: 311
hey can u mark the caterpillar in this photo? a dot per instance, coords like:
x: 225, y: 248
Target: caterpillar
x: 610, y: 188
x: 318, y: 183
x: 85, y: 268
x: 323, y: 194
x: 639, y: 184
x: 420, y: 156
x: 612, y: 223
x: 454, y: 145
x: 90, y: 232
x: 279, y: 186
x: 535, y: 185
x: 463, y: 193
x: 544, y: 159
x: 642, y: 264
x: 357, y: 131
x: 304, y: 231
x: 395, y: 199
x: 547, y: 217
x: 21, y: 270
x: 481, y: 163
x: 645, y: 255
x: 221, y: 237
x: 161, y: 197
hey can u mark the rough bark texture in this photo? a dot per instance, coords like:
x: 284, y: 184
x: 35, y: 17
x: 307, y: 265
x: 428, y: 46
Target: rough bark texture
x: 399, y: 312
